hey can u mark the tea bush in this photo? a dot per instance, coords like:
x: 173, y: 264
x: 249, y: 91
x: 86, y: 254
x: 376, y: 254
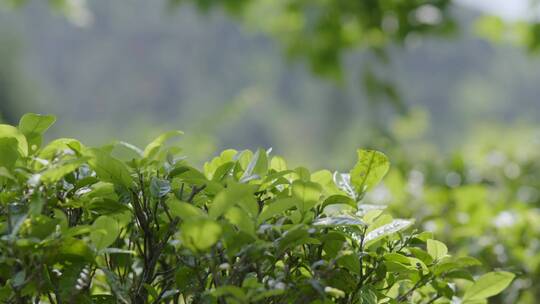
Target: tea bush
x: 79, y: 225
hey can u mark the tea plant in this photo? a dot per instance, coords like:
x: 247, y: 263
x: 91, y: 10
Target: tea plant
x: 79, y: 225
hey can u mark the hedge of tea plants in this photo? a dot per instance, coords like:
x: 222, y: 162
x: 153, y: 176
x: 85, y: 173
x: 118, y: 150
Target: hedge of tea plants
x: 79, y: 224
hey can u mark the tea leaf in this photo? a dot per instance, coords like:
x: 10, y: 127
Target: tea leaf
x: 488, y: 285
x: 33, y: 126
x: 200, y: 234
x: 104, y: 232
x: 436, y: 249
x: 108, y: 168
x: 370, y: 169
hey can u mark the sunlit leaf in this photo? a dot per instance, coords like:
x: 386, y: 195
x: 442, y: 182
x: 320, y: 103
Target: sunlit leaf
x: 235, y: 194
x: 10, y: 132
x: 370, y: 169
x: 307, y: 193
x: 108, y: 168
x: 388, y: 229
x: 338, y: 221
x: 184, y: 210
x: 33, y: 126
x: 343, y: 182
x: 278, y: 163
x: 488, y: 285
x: 8, y: 152
x: 276, y: 208
x: 55, y: 173
x: 153, y: 147
x: 436, y: 249
x: 200, y: 234
x: 257, y: 166
x: 61, y: 145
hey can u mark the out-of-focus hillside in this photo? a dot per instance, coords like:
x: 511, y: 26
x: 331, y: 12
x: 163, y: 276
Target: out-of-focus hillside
x: 142, y: 67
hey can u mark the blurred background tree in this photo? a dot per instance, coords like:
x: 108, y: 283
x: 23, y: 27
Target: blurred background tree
x: 127, y: 70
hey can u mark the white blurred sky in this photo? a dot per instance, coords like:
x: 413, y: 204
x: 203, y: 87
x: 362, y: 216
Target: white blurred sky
x: 507, y: 9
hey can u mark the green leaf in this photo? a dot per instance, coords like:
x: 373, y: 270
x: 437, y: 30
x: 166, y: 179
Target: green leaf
x: 240, y: 219
x: 5, y: 292
x: 307, y: 193
x: 8, y: 152
x: 338, y: 199
x: 54, y: 174
x: 4, y: 171
x: 421, y: 254
x: 178, y: 171
x: 276, y: 208
x: 152, y: 148
x: 230, y: 290
x: 302, y: 173
x: 200, y: 234
x: 449, y: 264
x: 184, y: 210
x: 18, y: 280
x: 33, y: 126
x: 184, y: 277
x: 397, y: 267
x: 60, y: 145
x: 488, y: 285
x: 104, y: 232
x: 257, y: 167
x: 118, y: 287
x: 235, y: 194
x: 367, y: 296
x: 278, y: 163
x: 106, y: 206
x: 396, y: 257
x: 108, y: 168
x: 339, y: 221
x: 388, y: 229
x: 73, y: 250
x: 151, y: 290
x: 7, y: 131
x: 370, y: 216
x: 131, y: 148
x: 370, y: 169
x: 436, y: 249
x: 169, y: 293
x: 291, y: 237
x: 343, y: 183
x: 350, y: 261
x: 459, y: 274
x: 334, y: 292
x: 226, y: 157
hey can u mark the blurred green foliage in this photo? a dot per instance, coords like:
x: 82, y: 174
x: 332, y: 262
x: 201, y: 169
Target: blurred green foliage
x: 483, y: 199
x: 138, y: 70
x: 322, y: 31
x: 15, y: 86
